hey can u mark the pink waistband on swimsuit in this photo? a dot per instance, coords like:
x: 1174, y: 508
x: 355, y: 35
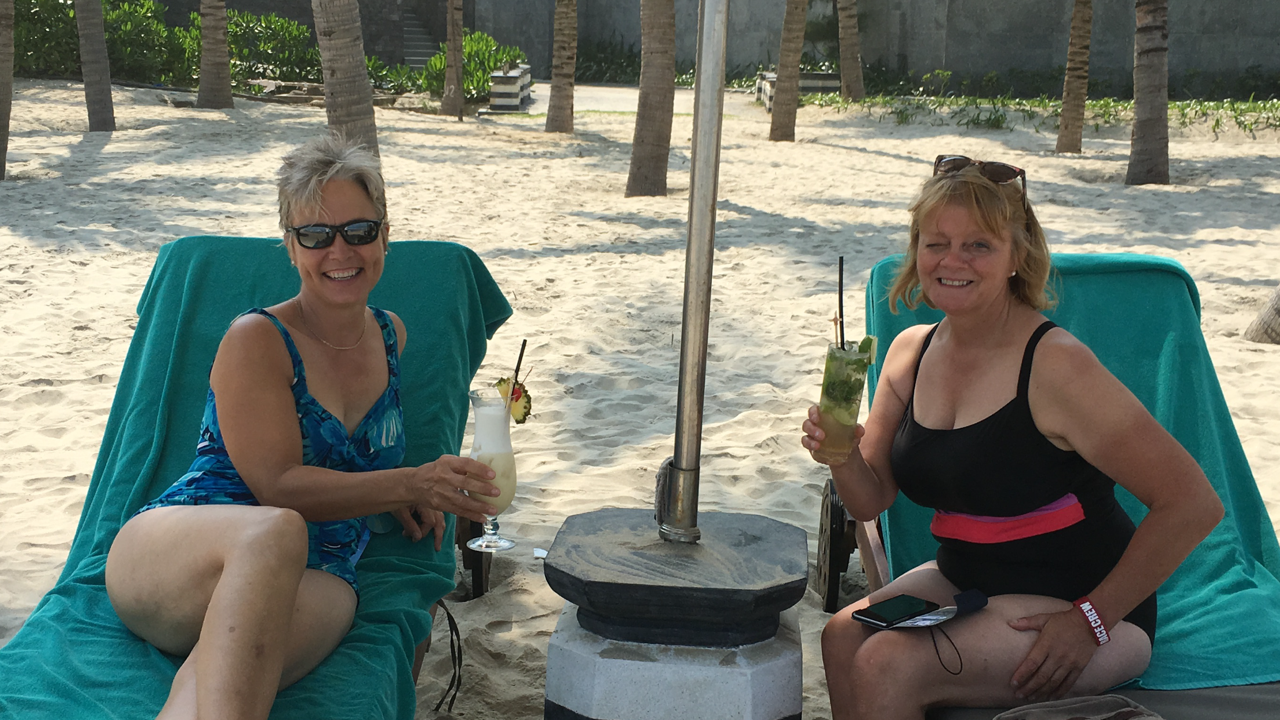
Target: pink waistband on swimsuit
x: 984, y: 529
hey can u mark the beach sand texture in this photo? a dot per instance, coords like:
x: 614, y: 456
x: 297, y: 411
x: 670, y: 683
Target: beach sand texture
x: 596, y: 281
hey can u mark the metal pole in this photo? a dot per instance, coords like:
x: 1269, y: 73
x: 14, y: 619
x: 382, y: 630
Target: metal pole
x: 678, y: 499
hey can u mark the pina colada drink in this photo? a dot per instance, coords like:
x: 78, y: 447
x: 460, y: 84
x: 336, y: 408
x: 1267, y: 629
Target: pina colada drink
x: 843, y: 380
x: 492, y: 446
x: 504, y: 468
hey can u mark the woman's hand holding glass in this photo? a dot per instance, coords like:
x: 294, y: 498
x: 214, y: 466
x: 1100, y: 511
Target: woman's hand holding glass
x: 813, y: 437
x: 455, y: 485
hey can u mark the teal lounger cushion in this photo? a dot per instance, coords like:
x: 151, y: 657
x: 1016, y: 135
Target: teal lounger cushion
x: 74, y: 659
x: 1219, y: 614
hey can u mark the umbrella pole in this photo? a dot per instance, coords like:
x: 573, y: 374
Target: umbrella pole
x: 677, y: 501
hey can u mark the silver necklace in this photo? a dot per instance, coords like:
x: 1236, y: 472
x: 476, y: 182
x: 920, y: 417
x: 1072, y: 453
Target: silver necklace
x: 363, y: 327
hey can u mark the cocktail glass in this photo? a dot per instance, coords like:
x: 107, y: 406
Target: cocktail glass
x: 492, y: 446
x: 843, y: 380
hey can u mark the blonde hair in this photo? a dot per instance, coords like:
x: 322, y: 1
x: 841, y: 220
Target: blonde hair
x: 306, y: 169
x: 996, y: 208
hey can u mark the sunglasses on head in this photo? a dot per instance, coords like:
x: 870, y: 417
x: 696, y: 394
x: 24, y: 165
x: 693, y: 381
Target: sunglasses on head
x: 318, y: 235
x: 997, y: 172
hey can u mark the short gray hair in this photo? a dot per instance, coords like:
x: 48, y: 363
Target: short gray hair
x: 332, y: 157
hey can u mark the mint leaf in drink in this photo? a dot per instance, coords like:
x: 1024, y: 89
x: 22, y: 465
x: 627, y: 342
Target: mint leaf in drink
x: 843, y: 391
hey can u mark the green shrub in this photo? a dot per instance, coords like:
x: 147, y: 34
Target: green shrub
x: 270, y: 47
x: 481, y: 55
x: 45, y: 40
x: 140, y: 47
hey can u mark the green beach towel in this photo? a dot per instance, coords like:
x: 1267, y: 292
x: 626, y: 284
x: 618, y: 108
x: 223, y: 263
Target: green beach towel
x: 1219, y: 614
x: 74, y: 659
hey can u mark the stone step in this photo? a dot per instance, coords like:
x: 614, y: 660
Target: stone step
x: 419, y: 46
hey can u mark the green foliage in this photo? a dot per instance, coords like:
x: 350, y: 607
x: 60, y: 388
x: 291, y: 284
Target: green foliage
x: 481, y: 55
x: 269, y: 47
x: 45, y: 40
x: 1041, y: 114
x: 396, y: 80
x: 140, y: 47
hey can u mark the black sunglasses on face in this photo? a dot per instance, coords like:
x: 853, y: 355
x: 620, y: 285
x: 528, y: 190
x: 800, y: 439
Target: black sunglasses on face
x: 997, y: 172
x: 318, y: 235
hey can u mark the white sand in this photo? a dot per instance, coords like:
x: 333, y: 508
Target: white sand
x: 596, y: 282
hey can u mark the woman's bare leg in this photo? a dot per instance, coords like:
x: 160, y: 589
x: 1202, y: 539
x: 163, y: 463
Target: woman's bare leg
x: 898, y: 674
x: 321, y: 618
x: 224, y: 575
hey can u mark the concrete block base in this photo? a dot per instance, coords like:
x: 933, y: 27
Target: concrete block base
x: 590, y: 677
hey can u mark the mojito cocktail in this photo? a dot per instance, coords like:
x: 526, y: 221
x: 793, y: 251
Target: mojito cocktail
x: 843, y: 380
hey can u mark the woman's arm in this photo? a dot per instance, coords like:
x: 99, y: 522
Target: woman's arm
x: 865, y: 481
x: 251, y: 379
x: 1081, y: 406
x: 1077, y: 401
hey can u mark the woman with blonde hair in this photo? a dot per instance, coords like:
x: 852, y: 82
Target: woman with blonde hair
x: 1014, y: 433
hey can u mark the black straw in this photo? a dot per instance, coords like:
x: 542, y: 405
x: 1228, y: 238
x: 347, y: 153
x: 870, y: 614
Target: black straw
x: 840, y: 300
x: 515, y: 376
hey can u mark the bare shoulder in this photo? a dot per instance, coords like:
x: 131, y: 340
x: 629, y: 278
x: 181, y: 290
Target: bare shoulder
x: 900, y: 360
x: 1074, y: 398
x: 1062, y: 362
x: 402, y: 335
x: 252, y: 344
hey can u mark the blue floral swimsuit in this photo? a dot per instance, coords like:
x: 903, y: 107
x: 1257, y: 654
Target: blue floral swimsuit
x: 378, y: 443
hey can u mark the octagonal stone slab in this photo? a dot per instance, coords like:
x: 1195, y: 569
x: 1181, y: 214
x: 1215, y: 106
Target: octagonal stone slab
x: 631, y: 585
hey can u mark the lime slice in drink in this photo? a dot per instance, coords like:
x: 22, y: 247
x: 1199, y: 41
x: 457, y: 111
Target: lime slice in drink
x: 841, y: 415
x: 868, y: 346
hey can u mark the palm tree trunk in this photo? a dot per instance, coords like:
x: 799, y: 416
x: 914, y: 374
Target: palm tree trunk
x: 1266, y: 327
x: 348, y: 97
x: 651, y: 143
x: 94, y: 66
x: 1075, y: 88
x: 215, y: 58
x: 1149, y: 154
x: 563, y: 65
x: 786, y: 94
x: 851, y: 86
x: 452, y: 102
x: 6, y: 78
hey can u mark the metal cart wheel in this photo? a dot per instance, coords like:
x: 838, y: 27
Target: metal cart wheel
x: 835, y: 544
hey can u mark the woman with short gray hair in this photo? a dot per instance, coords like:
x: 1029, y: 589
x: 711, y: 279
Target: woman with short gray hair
x: 246, y: 565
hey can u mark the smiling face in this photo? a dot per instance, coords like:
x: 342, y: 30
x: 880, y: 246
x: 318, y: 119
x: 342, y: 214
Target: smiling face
x: 962, y: 266
x: 341, y: 273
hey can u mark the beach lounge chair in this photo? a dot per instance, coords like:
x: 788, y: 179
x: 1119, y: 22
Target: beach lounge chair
x: 74, y: 659
x: 1219, y: 622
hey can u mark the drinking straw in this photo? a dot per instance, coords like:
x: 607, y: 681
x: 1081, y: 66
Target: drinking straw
x: 515, y: 376
x: 840, y: 301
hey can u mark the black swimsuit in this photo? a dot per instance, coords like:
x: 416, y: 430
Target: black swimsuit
x: 1015, y: 513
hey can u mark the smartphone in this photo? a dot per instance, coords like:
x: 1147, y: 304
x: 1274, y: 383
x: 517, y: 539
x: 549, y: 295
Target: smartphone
x: 895, y: 610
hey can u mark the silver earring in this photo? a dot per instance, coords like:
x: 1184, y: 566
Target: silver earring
x: 1015, y: 272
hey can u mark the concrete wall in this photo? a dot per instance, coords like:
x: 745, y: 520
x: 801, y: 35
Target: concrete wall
x: 1209, y: 38
x: 755, y: 29
x: 527, y: 24
x: 970, y: 38
x: 379, y: 20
